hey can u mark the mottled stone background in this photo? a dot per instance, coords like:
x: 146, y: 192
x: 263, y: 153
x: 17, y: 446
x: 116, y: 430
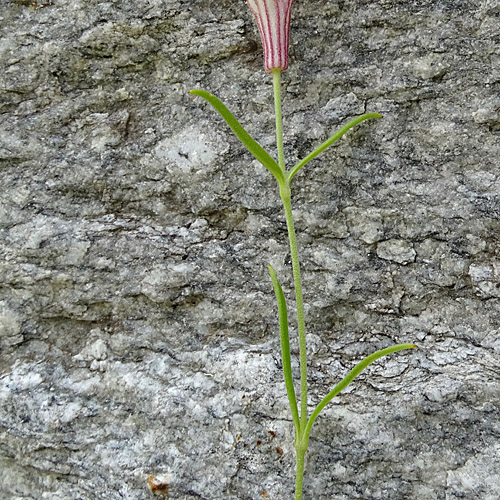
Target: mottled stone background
x: 138, y: 327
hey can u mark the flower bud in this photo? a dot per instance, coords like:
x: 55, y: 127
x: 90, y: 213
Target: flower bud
x: 273, y: 20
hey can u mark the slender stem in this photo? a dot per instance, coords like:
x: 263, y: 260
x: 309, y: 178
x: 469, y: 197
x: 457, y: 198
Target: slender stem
x: 285, y: 196
x: 300, y: 310
x: 301, y: 440
x: 279, y: 121
x: 299, y: 478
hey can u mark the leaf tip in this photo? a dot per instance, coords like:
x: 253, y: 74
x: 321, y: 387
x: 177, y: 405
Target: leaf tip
x: 200, y: 93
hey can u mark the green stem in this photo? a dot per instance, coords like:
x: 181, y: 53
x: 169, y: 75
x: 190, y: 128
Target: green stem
x: 299, y: 478
x: 301, y: 440
x: 300, y: 309
x: 279, y: 121
x: 286, y: 198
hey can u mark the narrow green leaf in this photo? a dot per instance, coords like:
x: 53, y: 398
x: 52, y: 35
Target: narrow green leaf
x: 251, y: 144
x: 285, y: 348
x: 329, y: 142
x: 352, y: 375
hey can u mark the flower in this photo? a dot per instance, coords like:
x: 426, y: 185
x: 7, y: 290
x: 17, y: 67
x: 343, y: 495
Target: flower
x: 273, y: 20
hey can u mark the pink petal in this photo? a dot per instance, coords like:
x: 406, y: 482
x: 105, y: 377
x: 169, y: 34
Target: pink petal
x: 273, y: 20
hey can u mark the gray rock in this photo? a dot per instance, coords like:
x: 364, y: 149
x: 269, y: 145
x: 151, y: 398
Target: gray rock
x: 400, y: 251
x: 138, y: 328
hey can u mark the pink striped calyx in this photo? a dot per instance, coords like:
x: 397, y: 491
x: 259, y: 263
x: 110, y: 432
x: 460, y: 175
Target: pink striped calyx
x: 273, y: 20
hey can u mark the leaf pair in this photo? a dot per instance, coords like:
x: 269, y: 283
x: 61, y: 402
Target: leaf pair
x: 287, y: 369
x: 260, y: 153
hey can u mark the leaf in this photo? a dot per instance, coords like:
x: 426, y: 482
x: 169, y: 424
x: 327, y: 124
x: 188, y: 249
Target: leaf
x: 329, y: 142
x: 285, y: 347
x: 251, y: 144
x: 351, y: 376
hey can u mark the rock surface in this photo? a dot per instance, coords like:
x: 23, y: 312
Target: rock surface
x: 138, y: 328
